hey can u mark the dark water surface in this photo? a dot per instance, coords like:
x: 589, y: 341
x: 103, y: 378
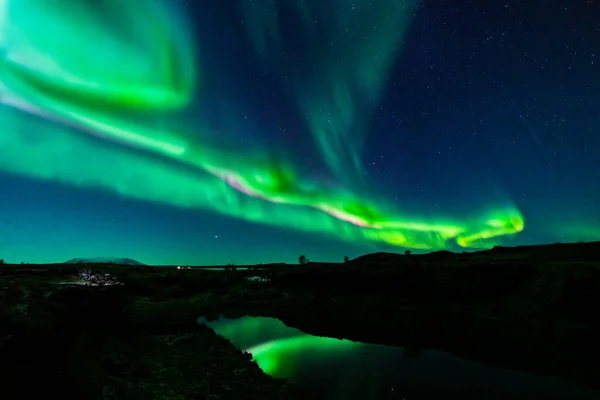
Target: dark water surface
x: 344, y: 370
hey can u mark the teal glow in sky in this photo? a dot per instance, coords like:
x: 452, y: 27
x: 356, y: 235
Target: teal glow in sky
x: 158, y: 117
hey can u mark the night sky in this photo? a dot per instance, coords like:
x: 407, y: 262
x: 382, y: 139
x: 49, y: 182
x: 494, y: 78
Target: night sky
x: 246, y: 131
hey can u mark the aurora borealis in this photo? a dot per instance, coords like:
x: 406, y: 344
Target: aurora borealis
x: 184, y: 134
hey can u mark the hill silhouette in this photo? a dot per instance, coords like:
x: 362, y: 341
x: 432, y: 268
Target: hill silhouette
x: 589, y: 251
x: 104, y: 260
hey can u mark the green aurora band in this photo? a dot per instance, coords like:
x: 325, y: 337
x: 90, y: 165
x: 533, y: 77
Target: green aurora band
x: 108, y: 116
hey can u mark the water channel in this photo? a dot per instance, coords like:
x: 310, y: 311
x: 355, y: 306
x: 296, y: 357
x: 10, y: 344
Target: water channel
x: 336, y: 369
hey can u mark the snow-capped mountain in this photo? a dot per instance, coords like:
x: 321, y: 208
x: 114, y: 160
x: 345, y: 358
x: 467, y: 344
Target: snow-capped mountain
x: 104, y: 260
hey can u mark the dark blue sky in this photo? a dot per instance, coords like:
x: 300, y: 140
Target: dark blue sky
x: 485, y: 104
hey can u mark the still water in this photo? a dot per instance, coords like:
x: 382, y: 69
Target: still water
x: 336, y: 369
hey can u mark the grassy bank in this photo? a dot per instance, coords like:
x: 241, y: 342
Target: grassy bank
x: 79, y: 343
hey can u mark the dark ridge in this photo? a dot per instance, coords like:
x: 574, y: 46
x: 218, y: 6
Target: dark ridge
x: 584, y: 251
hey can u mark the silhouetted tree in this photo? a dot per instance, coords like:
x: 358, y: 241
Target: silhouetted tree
x: 346, y: 259
x: 1, y: 260
x: 303, y: 260
x: 407, y: 253
x: 230, y: 267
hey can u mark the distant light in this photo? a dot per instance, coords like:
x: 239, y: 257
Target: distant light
x: 178, y: 267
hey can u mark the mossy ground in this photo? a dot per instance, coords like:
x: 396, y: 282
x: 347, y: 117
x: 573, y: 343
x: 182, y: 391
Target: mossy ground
x: 80, y: 343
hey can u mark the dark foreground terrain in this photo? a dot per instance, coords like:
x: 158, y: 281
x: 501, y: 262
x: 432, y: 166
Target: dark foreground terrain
x: 528, y: 308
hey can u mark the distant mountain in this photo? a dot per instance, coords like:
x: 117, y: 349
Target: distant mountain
x: 104, y: 260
